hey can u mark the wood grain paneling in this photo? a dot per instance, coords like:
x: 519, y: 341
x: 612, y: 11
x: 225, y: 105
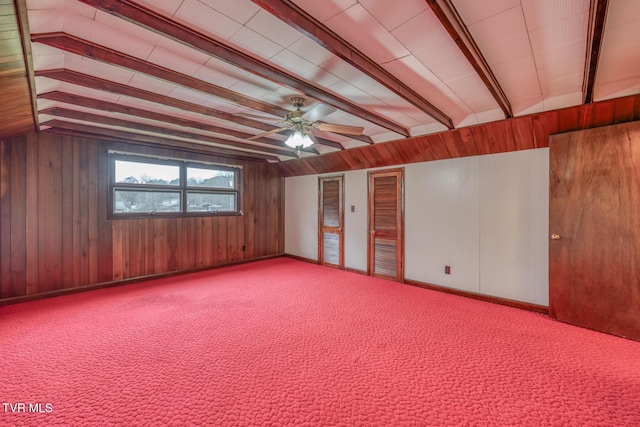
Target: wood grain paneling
x: 55, y: 235
x: 594, y: 266
x: 386, y: 224
x: 520, y: 133
x: 16, y: 108
x: 331, y: 248
x: 331, y: 221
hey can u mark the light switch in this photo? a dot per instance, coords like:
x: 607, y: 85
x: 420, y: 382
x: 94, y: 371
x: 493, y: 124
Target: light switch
x: 353, y: 208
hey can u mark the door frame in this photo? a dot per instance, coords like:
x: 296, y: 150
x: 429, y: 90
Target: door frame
x: 338, y: 230
x: 399, y: 172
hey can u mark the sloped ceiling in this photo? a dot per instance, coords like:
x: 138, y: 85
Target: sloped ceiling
x: 217, y: 72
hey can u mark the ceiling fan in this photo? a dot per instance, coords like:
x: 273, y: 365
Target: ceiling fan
x: 304, y: 123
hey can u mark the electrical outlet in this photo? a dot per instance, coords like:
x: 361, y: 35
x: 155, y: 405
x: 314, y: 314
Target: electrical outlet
x: 244, y: 248
x: 353, y: 208
x: 447, y: 269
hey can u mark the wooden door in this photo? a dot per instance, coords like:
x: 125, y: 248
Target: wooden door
x: 594, y: 221
x: 331, y: 221
x: 386, y: 224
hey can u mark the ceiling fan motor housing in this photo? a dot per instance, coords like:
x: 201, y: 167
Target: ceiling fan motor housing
x: 298, y: 101
x: 295, y: 119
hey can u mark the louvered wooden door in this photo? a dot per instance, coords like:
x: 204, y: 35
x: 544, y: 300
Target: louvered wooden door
x: 330, y: 221
x: 386, y: 224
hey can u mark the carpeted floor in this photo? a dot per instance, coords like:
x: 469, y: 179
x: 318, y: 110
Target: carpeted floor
x: 286, y: 343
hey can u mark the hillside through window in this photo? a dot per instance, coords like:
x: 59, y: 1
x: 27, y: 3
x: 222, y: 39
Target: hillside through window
x: 146, y: 186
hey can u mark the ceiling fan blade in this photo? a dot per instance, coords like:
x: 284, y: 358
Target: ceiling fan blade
x: 260, y: 135
x: 261, y: 118
x: 344, y: 129
x: 318, y: 112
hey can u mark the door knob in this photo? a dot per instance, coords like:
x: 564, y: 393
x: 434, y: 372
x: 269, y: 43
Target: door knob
x: 555, y: 236
x: 373, y: 232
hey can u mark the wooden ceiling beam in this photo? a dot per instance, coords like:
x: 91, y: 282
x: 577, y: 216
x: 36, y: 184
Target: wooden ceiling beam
x: 91, y: 82
x: 96, y: 83
x: 161, y: 131
x: 96, y: 104
x: 159, y: 24
x: 97, y: 132
x: 87, y: 49
x: 446, y: 12
x: 597, y: 16
x: 121, y: 139
x: 288, y: 12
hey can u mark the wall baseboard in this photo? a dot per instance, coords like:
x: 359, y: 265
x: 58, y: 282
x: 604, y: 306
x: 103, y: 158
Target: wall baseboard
x: 355, y: 270
x: 488, y: 298
x: 103, y: 285
x: 300, y: 258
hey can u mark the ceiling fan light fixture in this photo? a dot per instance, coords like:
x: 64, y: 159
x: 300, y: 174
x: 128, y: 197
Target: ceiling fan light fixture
x: 298, y: 139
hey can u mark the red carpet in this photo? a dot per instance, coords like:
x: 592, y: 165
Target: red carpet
x: 285, y: 343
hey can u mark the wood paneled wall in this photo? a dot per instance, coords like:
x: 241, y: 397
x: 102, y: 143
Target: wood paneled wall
x: 521, y: 133
x: 54, y: 231
x: 16, y: 108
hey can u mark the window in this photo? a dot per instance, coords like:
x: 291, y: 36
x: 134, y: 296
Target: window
x: 142, y: 186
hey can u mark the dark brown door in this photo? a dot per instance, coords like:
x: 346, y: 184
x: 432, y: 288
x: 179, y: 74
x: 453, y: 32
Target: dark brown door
x: 386, y: 224
x: 594, y: 221
x: 330, y: 221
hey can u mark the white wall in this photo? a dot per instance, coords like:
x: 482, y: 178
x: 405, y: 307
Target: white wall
x: 301, y: 216
x: 355, y: 223
x: 486, y: 217
x: 442, y: 222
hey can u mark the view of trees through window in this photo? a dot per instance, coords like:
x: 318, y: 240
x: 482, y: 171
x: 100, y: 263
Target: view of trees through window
x: 148, y: 188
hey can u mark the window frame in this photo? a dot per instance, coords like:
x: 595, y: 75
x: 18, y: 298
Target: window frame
x: 183, y: 188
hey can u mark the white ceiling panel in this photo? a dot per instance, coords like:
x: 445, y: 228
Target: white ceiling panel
x: 206, y: 20
x: 165, y: 7
x: 41, y: 50
x: 125, y: 42
x: 534, y: 48
x: 291, y: 62
x: 570, y: 30
x: 173, y: 61
x: 49, y: 5
x: 255, y: 43
x: 79, y: 26
x: 190, y: 95
x: 544, y: 13
x: 98, y: 69
x: 380, y: 45
x: 215, y: 76
x: 475, y: 11
x: 272, y: 28
x: 321, y: 77
x: 562, y: 101
x: 44, y: 85
x: 78, y: 8
x: 435, y: 47
x: 311, y: 51
x: 88, y: 92
x: 419, y: 77
x: 619, y: 70
x: 239, y: 11
x: 151, y: 84
x: 324, y: 10
x: 46, y: 21
x: 393, y: 14
x: 116, y: 24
